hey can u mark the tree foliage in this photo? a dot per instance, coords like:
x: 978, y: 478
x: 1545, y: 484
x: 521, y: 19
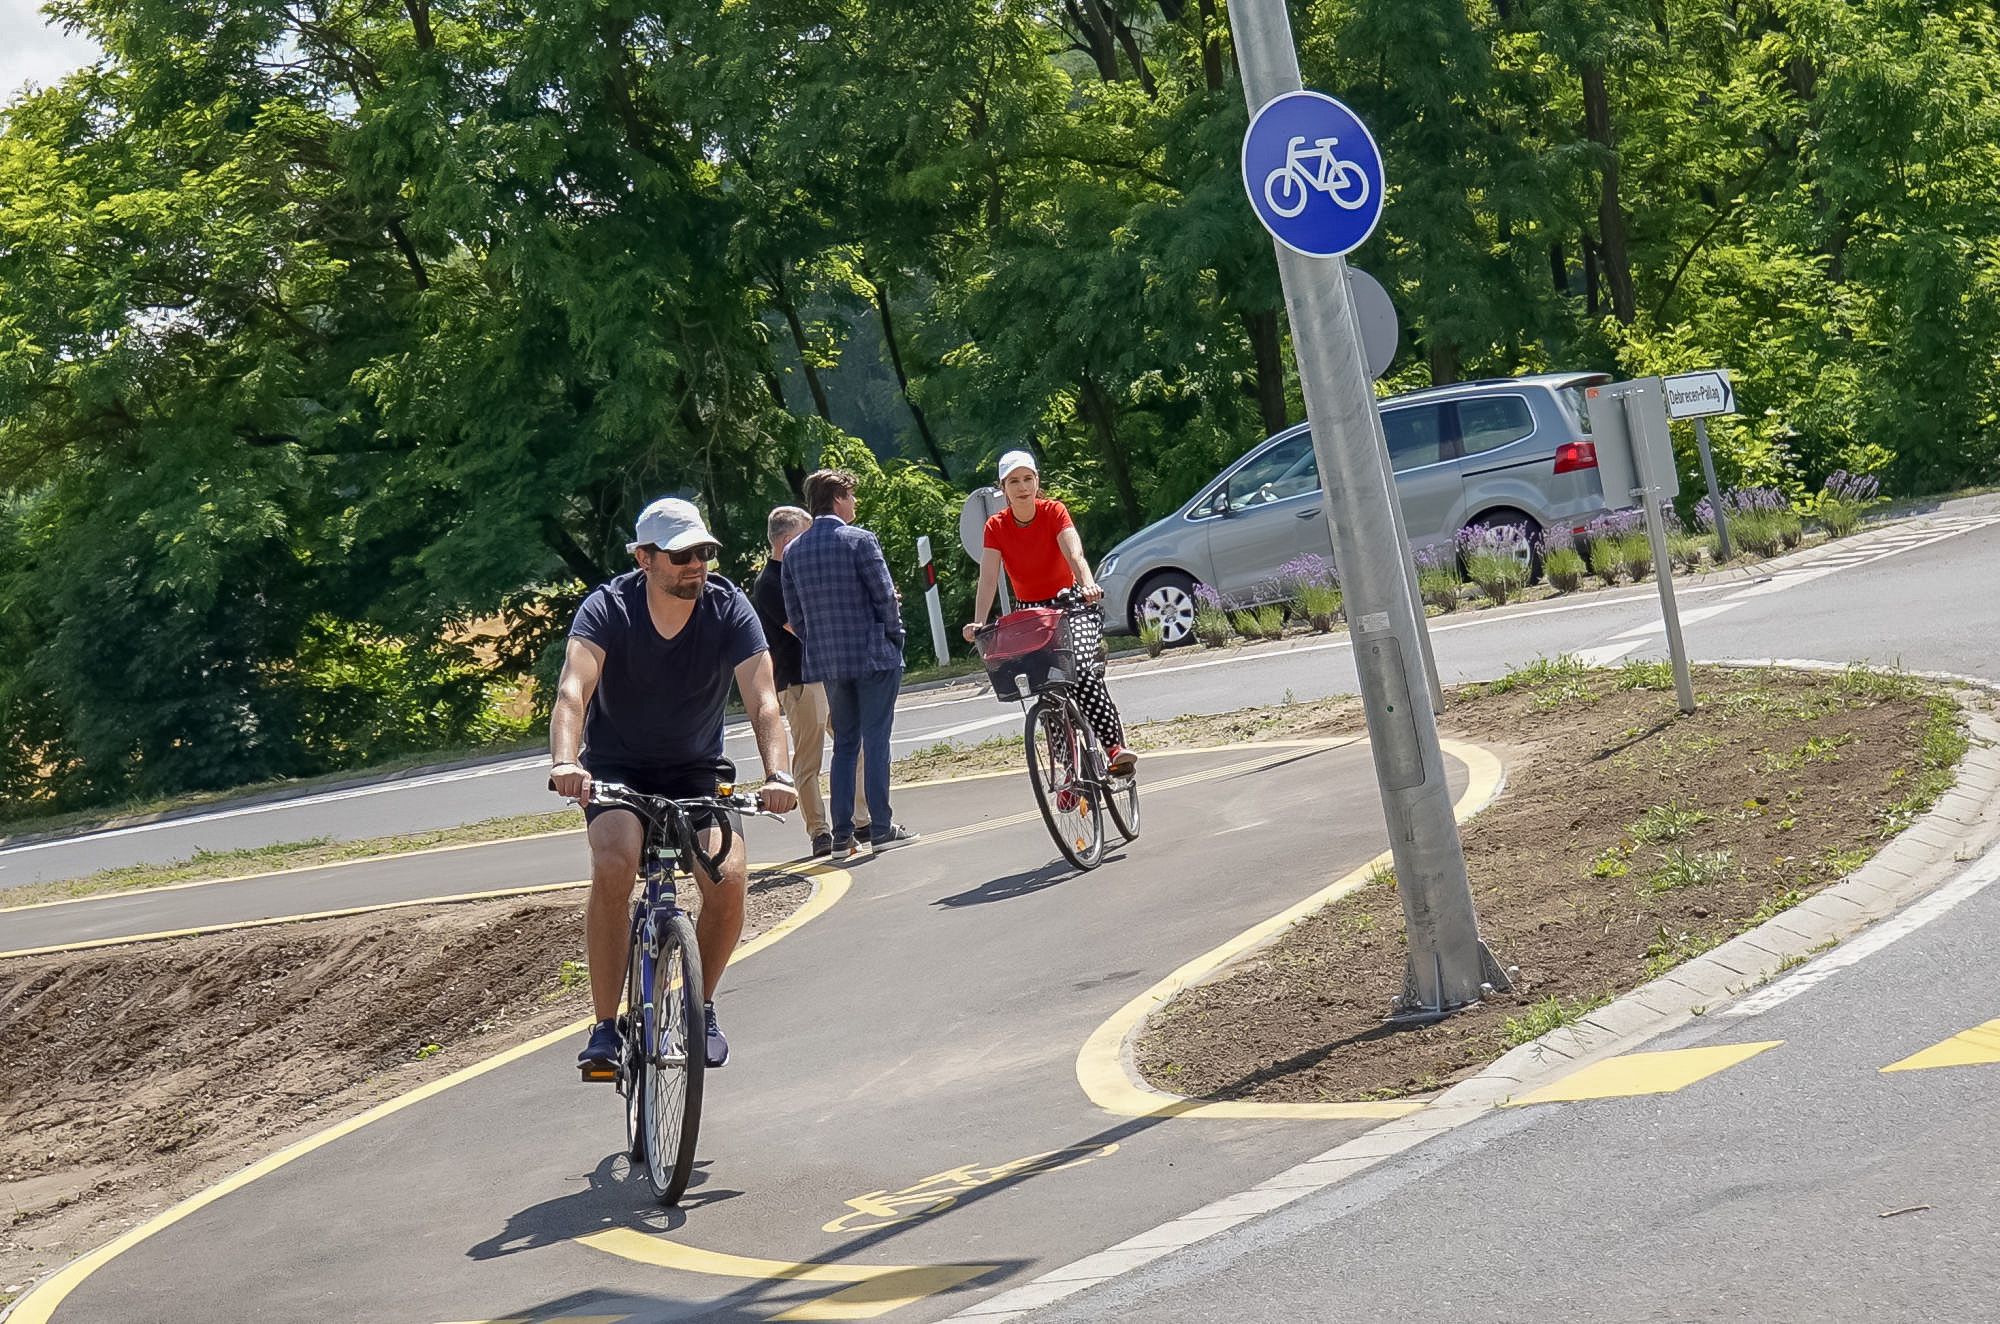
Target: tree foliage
x: 328, y: 327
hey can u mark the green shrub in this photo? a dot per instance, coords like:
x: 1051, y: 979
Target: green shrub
x: 1565, y: 569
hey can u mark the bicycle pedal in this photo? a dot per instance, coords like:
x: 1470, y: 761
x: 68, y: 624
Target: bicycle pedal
x: 594, y: 1074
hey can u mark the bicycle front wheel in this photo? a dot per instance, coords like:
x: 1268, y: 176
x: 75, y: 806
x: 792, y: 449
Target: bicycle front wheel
x: 1122, y: 799
x: 673, y: 1060
x: 1056, y: 744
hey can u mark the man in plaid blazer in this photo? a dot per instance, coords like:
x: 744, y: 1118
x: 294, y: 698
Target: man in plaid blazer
x: 842, y: 604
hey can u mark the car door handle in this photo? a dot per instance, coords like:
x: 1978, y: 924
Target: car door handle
x: 1309, y: 514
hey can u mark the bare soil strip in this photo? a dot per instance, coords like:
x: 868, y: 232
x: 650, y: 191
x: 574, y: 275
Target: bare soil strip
x: 1629, y: 839
x: 134, y: 1076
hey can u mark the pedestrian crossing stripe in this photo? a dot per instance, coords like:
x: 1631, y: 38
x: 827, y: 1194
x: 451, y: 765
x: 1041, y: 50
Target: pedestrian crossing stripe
x: 1634, y: 1074
x: 1975, y: 1047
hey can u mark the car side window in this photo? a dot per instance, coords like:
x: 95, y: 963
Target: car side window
x: 1288, y: 469
x: 1491, y: 423
x: 1415, y: 436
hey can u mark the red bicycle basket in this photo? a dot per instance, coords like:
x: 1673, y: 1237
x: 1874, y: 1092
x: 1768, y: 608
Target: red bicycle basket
x: 1025, y: 650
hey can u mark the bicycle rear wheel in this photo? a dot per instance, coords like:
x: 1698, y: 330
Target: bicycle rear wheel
x: 673, y: 1059
x: 1056, y: 744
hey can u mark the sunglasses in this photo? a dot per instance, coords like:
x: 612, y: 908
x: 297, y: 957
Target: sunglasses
x: 705, y: 553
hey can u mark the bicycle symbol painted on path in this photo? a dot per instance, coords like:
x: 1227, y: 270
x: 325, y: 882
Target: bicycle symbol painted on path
x: 1313, y: 173
x: 1292, y: 184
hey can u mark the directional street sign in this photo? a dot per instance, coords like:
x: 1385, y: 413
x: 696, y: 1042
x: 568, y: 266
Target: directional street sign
x: 1699, y: 394
x: 1377, y: 318
x: 1314, y: 174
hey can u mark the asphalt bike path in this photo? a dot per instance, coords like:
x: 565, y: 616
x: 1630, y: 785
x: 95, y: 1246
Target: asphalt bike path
x: 904, y: 1096
x: 1839, y: 1167
x: 1804, y: 600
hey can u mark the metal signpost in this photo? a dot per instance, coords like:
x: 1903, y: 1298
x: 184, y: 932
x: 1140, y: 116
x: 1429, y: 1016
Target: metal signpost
x: 1314, y: 177
x: 1635, y: 455
x: 981, y: 506
x: 1697, y: 395
x: 928, y: 568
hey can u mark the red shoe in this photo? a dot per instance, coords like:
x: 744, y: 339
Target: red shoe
x: 1123, y: 761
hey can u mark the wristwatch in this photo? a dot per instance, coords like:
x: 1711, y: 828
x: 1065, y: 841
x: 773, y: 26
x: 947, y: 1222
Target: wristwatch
x: 779, y: 779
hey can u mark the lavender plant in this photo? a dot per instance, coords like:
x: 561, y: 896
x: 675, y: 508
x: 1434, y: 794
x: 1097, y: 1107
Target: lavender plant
x: 1496, y: 559
x: 1437, y: 575
x: 1844, y: 499
x: 1211, y: 622
x: 1562, y: 564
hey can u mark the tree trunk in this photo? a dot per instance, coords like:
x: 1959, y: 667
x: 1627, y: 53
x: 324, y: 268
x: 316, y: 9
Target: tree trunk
x: 1211, y: 46
x: 1559, y: 267
x: 1444, y: 363
x: 1103, y: 50
x: 1610, y: 215
x: 903, y: 378
x: 1102, y: 418
x: 1591, y: 297
x: 1265, y: 344
x: 783, y: 294
x: 577, y: 561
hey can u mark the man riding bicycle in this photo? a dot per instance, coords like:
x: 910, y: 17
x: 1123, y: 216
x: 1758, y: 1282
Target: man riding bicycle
x: 1038, y: 546
x: 644, y: 683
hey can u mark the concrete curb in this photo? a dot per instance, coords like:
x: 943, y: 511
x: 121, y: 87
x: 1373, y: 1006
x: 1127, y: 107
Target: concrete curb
x: 1929, y: 854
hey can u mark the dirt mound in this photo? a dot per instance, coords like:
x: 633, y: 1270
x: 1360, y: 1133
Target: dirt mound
x: 143, y: 1070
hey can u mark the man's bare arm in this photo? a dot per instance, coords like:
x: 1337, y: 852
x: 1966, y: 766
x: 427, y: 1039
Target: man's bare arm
x: 583, y: 663
x: 760, y: 702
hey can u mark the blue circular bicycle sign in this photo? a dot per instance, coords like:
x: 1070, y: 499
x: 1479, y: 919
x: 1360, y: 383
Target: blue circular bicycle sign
x: 1314, y: 174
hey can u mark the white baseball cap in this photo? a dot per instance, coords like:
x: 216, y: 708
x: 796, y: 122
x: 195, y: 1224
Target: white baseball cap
x: 1013, y: 460
x: 672, y: 525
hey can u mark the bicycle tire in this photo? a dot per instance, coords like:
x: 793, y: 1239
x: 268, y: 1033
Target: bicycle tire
x: 674, y: 1062
x: 1055, y: 742
x: 631, y: 1075
x: 1121, y: 798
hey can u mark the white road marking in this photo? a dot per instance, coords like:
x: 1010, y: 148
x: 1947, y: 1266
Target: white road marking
x: 1605, y: 654
x: 946, y: 732
x: 1968, y: 884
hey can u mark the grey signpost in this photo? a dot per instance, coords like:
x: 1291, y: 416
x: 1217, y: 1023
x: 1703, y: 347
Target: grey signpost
x: 1635, y: 458
x: 1314, y: 178
x: 1697, y: 395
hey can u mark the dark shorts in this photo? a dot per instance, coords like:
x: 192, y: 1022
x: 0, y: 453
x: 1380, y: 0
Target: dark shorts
x: 675, y: 783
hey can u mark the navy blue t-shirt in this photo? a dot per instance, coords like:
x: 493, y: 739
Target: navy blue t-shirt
x: 659, y: 702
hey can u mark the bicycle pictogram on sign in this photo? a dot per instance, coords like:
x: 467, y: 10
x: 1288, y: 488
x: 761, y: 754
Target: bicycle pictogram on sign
x: 1313, y: 173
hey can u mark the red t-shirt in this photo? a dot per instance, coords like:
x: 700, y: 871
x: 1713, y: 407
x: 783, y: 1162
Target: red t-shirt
x: 1035, y: 565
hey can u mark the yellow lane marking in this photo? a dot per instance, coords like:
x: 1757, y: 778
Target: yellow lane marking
x: 877, y: 1288
x: 547, y: 1319
x: 829, y: 886
x: 1106, y: 1074
x: 578, y: 832
x: 1975, y: 1047
x: 285, y: 873
x: 1643, y: 1073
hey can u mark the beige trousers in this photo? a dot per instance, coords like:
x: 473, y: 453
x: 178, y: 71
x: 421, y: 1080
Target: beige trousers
x: 805, y: 710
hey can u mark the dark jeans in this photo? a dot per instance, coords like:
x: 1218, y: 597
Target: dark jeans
x: 863, y: 710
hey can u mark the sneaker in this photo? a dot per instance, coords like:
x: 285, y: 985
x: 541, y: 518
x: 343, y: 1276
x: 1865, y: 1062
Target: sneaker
x: 1123, y: 761
x: 822, y: 845
x: 718, y: 1047
x: 844, y: 848
x: 599, y: 1058
x: 898, y: 835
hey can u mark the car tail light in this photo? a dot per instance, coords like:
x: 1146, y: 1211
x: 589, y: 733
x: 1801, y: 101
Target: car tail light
x: 1574, y: 455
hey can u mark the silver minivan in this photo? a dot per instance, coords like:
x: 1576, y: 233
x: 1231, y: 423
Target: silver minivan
x: 1505, y: 451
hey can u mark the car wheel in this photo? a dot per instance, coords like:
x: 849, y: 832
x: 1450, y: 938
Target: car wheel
x: 1531, y: 553
x: 1166, y: 600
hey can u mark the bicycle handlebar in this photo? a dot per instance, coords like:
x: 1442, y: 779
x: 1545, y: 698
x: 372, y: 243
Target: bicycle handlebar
x: 667, y: 812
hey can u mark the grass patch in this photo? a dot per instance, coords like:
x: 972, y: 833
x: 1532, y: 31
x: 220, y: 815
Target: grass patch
x: 945, y: 759
x: 1667, y: 822
x: 1640, y: 674
x: 1542, y: 671
x: 1941, y: 744
x: 1671, y: 949
x: 1551, y: 1013
x: 1680, y: 868
x: 208, y: 864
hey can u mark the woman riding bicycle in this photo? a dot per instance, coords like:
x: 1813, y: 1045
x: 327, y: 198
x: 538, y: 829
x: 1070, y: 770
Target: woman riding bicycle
x: 1035, y: 542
